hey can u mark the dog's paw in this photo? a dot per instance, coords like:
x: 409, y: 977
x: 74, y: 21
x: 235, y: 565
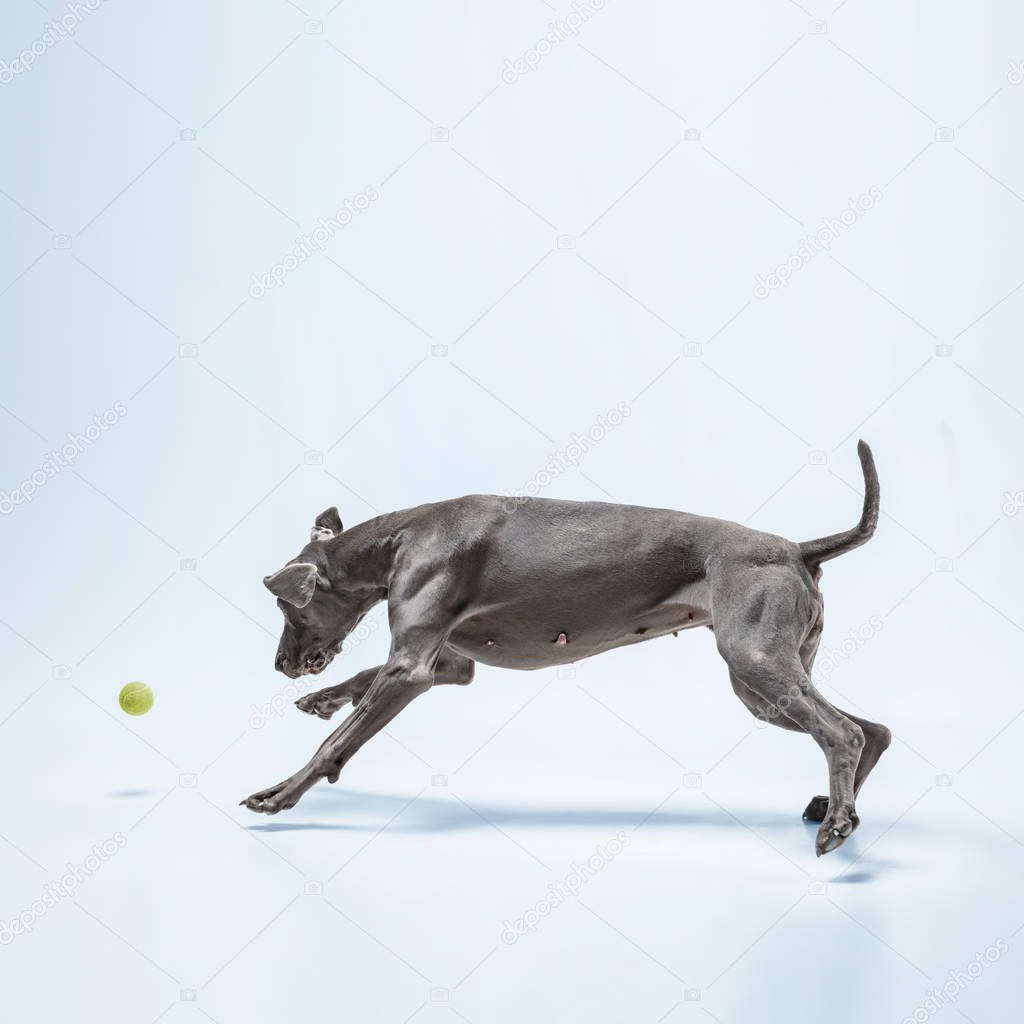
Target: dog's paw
x: 835, y: 829
x: 324, y: 703
x: 269, y: 801
x: 816, y: 809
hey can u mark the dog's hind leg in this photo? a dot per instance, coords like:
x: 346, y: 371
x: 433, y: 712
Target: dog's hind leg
x: 762, y: 615
x: 760, y: 708
x: 451, y: 668
x: 876, y: 739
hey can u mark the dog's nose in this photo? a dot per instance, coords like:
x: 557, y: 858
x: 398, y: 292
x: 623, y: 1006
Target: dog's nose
x: 279, y: 662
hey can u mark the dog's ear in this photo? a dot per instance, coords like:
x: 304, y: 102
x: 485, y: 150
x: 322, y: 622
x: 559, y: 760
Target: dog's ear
x: 327, y: 525
x: 294, y: 583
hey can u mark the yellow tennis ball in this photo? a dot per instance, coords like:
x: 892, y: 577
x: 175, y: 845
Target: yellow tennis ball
x: 135, y: 698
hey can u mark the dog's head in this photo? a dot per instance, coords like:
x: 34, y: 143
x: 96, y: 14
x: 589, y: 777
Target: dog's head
x: 320, y: 608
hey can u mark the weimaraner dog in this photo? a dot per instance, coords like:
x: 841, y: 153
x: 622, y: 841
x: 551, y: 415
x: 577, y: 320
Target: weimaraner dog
x: 533, y: 583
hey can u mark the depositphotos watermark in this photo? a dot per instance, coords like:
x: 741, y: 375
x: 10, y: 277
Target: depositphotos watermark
x: 56, y: 30
x: 958, y: 981
x: 569, y: 456
x: 1013, y: 502
x: 54, y: 892
x: 316, y: 241
x: 558, y: 31
x: 260, y: 715
x: 57, y: 461
x: 821, y: 241
x: 828, y: 661
x: 824, y: 665
x: 564, y: 889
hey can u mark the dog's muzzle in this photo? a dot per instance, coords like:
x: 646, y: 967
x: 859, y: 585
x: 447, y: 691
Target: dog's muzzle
x: 315, y: 664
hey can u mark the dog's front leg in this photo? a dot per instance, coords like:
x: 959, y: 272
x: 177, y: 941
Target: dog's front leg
x: 451, y: 668
x: 324, y: 703
x: 408, y: 672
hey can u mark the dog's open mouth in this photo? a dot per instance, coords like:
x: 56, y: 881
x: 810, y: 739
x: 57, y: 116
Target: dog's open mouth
x: 315, y: 664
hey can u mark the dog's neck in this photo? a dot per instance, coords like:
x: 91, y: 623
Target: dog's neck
x: 363, y: 557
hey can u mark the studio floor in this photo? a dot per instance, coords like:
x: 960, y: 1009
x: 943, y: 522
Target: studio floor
x: 530, y: 847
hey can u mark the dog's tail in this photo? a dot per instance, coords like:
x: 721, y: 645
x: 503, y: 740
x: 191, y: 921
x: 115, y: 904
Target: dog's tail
x: 814, y: 552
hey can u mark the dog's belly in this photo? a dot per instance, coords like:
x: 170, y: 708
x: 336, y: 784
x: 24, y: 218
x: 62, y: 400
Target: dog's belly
x: 556, y: 633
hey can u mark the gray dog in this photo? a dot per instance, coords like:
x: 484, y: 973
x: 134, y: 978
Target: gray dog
x: 532, y: 583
